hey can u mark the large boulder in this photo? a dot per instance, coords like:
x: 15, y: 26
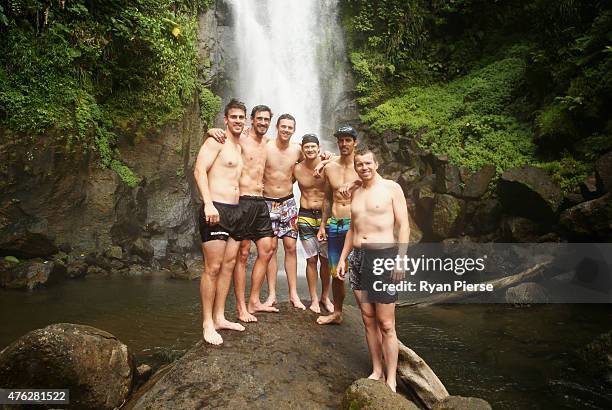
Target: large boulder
x: 31, y: 274
x: 529, y: 192
x: 21, y: 235
x: 588, y: 188
x: 445, y: 215
x: 96, y: 367
x: 448, y: 180
x: 603, y: 172
x: 518, y: 229
x: 407, y: 178
x: 478, y: 183
x: 591, y: 220
x: 482, y: 217
x: 462, y: 403
x: 286, y: 360
x: 366, y: 394
x: 25, y: 243
x: 528, y: 292
x: 143, y: 249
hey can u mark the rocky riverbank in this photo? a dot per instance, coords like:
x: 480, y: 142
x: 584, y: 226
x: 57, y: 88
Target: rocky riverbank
x: 521, y: 204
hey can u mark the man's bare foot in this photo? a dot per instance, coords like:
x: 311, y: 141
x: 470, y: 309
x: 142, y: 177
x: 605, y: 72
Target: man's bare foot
x: 314, y: 306
x: 271, y: 301
x: 224, y: 324
x: 211, y: 336
x: 377, y: 376
x: 333, y: 319
x: 246, y: 317
x: 297, y: 303
x: 329, y: 306
x: 393, y: 387
x: 259, y: 307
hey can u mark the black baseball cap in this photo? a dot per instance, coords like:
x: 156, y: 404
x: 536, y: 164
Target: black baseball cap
x: 346, y: 130
x: 307, y: 138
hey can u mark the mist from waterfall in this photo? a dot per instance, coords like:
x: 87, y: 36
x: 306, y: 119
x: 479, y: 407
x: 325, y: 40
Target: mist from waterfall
x: 289, y: 55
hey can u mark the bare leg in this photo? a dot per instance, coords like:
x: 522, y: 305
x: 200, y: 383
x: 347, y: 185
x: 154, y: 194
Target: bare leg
x: 385, y: 316
x: 289, y: 245
x: 264, y: 253
x: 339, y: 293
x: 223, y: 285
x: 325, y: 282
x: 240, y: 283
x: 368, y: 315
x: 272, y: 274
x: 311, y: 277
x: 213, y: 256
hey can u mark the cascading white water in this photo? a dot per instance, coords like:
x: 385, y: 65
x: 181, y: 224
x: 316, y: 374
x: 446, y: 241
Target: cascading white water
x: 289, y: 56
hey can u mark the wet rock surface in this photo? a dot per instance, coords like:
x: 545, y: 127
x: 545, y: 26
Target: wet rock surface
x: 285, y: 360
x: 528, y: 292
x: 96, y: 367
x: 528, y: 191
x: 477, y: 184
x: 589, y: 220
x: 372, y: 394
x: 30, y: 274
x: 603, y: 171
x: 462, y: 403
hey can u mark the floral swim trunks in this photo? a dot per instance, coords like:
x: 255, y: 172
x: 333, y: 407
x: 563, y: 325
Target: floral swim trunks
x: 284, y: 214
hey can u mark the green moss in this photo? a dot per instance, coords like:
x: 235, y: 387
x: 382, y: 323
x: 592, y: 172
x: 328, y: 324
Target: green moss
x: 125, y: 173
x: 567, y: 172
x: 553, y: 124
x: 180, y: 171
x: 11, y: 259
x: 210, y: 104
x: 465, y: 119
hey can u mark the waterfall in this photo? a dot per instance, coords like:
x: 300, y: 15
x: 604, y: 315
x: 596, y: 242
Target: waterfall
x: 289, y: 55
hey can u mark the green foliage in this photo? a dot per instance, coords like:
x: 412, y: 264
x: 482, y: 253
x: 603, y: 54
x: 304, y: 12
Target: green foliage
x: 180, y: 171
x: 465, y: 119
x: 554, y: 125
x: 210, y: 104
x: 89, y: 69
x: 567, y: 171
x: 508, y: 83
x: 11, y: 259
x: 125, y: 173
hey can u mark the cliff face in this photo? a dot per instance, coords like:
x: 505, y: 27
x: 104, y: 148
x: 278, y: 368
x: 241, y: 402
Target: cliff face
x: 54, y: 199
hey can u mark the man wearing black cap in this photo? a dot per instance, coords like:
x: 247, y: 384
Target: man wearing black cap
x: 309, y: 222
x: 337, y: 213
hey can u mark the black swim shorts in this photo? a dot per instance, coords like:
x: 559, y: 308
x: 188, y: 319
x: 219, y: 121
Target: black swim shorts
x: 230, y: 219
x: 368, y: 275
x: 256, y: 223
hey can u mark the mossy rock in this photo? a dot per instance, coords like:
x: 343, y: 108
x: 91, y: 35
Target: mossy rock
x: 369, y: 394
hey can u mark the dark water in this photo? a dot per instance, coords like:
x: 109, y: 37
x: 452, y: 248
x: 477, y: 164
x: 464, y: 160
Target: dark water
x: 514, y: 358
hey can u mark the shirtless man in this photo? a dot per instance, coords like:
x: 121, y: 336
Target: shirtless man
x: 378, y: 209
x: 258, y: 227
x: 337, y: 213
x: 217, y: 173
x: 282, y: 156
x: 309, y: 221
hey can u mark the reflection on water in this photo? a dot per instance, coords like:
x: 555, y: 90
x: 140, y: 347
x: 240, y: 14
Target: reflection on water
x: 514, y: 358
